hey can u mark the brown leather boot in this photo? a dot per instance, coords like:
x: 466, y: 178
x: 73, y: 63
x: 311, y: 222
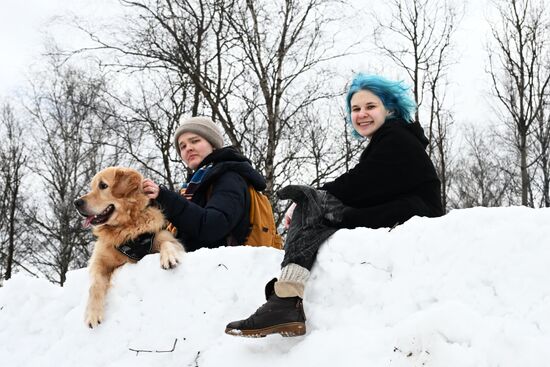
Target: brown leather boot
x: 278, y: 315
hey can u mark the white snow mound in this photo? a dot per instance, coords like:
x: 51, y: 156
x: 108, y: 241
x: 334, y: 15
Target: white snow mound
x: 468, y: 289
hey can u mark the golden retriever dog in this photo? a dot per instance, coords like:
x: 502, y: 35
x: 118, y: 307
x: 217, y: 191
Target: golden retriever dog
x: 124, y: 225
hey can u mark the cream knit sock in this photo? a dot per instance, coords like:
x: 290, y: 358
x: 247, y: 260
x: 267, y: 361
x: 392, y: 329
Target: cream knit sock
x: 292, y: 281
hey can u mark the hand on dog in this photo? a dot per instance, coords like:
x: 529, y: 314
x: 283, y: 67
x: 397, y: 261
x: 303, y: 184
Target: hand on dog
x: 150, y: 189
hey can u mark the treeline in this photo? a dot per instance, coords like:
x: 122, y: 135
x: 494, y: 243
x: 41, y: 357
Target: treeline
x: 265, y: 72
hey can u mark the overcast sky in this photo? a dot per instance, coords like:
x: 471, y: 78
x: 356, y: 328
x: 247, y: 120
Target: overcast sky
x: 24, y: 25
x: 21, y: 33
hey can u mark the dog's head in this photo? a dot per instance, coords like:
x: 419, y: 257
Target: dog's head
x: 116, y: 194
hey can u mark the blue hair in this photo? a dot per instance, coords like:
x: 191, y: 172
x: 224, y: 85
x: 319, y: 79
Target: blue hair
x: 394, y: 95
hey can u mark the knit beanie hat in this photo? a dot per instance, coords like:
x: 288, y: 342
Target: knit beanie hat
x: 203, y: 126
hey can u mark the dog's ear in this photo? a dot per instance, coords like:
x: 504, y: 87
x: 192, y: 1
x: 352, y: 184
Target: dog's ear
x: 127, y: 182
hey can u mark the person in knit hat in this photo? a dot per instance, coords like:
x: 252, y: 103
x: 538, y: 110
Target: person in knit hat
x: 393, y: 181
x: 202, y: 126
x: 212, y: 209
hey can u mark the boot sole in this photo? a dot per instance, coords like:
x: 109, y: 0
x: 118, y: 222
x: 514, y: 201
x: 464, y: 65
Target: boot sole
x: 286, y: 330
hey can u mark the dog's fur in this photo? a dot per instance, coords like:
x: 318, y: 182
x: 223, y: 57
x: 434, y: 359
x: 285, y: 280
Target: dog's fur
x: 119, y: 211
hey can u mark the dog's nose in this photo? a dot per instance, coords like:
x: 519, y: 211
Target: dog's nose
x: 78, y: 203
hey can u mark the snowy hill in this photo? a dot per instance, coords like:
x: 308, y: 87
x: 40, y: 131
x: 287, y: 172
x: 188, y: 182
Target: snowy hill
x: 468, y: 289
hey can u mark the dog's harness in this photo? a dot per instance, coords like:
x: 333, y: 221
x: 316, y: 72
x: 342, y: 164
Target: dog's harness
x: 138, y: 247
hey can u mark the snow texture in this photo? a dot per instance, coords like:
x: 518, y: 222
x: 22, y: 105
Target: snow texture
x: 468, y: 289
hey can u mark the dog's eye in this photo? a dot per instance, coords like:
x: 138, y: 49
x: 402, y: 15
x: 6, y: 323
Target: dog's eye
x: 103, y: 185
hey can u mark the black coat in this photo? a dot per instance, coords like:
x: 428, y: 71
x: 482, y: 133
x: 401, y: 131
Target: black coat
x: 393, y: 181
x: 209, y: 223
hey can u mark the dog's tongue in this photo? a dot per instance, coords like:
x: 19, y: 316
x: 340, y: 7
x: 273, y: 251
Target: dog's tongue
x: 88, y: 221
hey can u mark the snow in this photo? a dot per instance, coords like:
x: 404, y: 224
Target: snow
x: 467, y: 289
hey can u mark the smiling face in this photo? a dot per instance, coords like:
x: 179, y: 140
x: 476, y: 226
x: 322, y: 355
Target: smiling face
x: 367, y: 113
x: 193, y: 149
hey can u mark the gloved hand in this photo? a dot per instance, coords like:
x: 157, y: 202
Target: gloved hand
x: 333, y: 210
x: 334, y: 216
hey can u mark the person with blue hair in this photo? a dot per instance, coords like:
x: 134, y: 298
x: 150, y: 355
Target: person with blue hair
x: 393, y: 181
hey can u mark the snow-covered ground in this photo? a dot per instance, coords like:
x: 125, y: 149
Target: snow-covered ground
x: 468, y: 289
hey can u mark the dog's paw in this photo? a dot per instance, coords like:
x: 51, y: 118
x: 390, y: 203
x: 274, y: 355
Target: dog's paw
x: 170, y: 255
x: 93, y: 318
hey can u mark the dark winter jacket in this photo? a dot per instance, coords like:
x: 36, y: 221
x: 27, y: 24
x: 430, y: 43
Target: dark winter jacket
x: 209, y: 222
x: 393, y: 181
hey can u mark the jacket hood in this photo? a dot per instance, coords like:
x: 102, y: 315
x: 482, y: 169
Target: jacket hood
x: 231, y: 159
x: 224, y: 154
x: 414, y: 128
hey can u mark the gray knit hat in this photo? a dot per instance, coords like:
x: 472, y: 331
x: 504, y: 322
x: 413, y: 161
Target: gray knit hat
x: 203, y: 126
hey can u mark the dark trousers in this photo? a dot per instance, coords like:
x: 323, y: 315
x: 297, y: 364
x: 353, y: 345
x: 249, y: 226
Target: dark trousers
x: 316, y: 218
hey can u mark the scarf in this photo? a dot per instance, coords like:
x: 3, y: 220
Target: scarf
x: 187, y: 189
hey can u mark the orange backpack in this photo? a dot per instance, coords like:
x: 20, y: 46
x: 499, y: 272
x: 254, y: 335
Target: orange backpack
x: 262, y: 223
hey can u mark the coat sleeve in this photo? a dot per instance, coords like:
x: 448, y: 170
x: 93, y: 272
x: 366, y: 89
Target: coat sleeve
x: 396, y: 163
x: 217, y: 219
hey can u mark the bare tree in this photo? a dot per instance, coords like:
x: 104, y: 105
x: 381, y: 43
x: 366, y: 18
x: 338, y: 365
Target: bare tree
x: 542, y: 141
x: 518, y: 67
x: 284, y: 66
x: 13, y: 161
x: 439, y: 149
x: 192, y: 39
x: 144, y: 122
x: 417, y: 37
x: 255, y: 66
x: 482, y: 177
x: 67, y: 153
